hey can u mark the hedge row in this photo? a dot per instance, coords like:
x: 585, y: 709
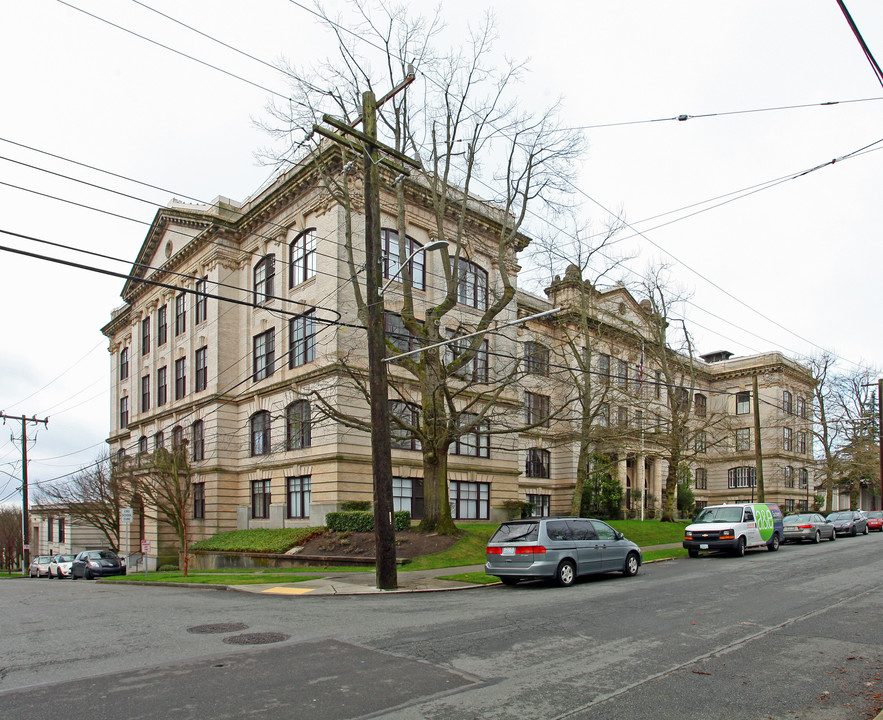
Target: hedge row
x: 363, y: 521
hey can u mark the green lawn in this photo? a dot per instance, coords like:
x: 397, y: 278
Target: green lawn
x: 650, y: 532
x: 468, y: 550
x: 258, y: 541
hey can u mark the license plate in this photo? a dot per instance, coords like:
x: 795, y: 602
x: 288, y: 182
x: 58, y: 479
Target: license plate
x: 790, y: 528
x: 508, y: 551
x: 703, y: 547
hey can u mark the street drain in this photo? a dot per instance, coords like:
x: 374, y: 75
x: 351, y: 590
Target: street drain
x: 215, y: 628
x: 256, y: 638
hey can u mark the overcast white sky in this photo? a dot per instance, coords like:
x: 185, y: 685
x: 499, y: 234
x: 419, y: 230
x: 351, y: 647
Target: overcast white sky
x: 792, y: 267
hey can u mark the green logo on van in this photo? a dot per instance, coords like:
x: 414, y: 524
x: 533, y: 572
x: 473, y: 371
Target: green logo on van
x: 764, y: 519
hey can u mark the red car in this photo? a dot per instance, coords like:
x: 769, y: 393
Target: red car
x: 875, y: 519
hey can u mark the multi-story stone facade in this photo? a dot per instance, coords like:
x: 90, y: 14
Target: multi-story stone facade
x: 240, y: 325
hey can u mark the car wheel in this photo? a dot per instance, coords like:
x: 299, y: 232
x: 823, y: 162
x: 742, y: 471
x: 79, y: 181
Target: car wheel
x: 866, y: 530
x: 87, y: 575
x: 833, y: 536
x: 506, y: 580
x: 740, y: 548
x: 693, y: 553
x: 773, y: 544
x: 853, y: 533
x: 565, y: 575
x: 49, y: 574
x: 630, y: 568
x: 818, y: 538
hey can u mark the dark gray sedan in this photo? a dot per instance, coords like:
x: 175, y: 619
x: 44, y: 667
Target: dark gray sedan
x: 810, y: 527
x: 96, y: 563
x: 849, y: 522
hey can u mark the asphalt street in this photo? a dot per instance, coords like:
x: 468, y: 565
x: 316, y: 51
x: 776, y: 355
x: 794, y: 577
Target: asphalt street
x: 792, y: 634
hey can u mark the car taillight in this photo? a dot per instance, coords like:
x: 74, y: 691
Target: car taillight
x: 804, y: 527
x: 494, y: 551
x: 529, y: 550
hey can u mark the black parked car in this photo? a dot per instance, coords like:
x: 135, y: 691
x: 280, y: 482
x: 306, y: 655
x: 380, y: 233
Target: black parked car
x: 97, y: 563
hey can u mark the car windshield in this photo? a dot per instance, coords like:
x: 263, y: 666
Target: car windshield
x: 877, y: 514
x: 105, y: 555
x: 794, y: 519
x: 720, y: 514
x: 840, y: 516
x: 65, y: 558
x: 516, y: 532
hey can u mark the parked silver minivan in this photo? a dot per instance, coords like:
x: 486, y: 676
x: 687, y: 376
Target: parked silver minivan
x: 559, y: 548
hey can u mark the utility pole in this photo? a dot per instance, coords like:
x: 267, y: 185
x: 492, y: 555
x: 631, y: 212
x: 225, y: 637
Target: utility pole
x: 25, y: 517
x: 880, y: 434
x: 373, y: 153
x: 758, y: 449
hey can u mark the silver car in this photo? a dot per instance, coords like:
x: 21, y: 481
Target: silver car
x: 560, y: 549
x: 808, y: 526
x: 849, y: 522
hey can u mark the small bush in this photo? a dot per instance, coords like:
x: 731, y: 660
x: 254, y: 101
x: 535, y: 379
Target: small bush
x: 168, y: 568
x: 355, y: 505
x: 363, y: 521
x: 516, y: 509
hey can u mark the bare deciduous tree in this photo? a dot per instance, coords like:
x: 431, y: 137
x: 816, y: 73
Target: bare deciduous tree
x: 10, y: 538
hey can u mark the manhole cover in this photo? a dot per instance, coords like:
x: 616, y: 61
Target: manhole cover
x: 256, y: 638
x: 218, y: 628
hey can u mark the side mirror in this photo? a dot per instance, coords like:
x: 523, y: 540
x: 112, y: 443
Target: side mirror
x: 618, y: 535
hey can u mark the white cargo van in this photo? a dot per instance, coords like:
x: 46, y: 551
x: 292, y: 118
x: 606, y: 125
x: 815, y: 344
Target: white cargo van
x: 733, y: 528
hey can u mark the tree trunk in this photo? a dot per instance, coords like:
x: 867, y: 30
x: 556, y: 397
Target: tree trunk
x: 436, y: 505
x: 670, y: 489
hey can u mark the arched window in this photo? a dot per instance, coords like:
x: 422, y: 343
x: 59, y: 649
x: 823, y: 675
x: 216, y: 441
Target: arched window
x: 297, y: 425
x: 264, y: 275
x: 803, y: 478
x: 142, y: 444
x: 260, y: 433
x: 303, y: 258
x: 198, y: 439
x: 700, y: 405
x: 159, y: 440
x: 177, y: 437
x: 789, y: 476
x: 742, y: 477
x: 392, y: 261
x: 471, y: 284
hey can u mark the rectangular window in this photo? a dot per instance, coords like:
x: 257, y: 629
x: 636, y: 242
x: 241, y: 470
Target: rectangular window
x: 542, y: 505
x: 476, y: 442
x: 401, y: 436
x: 260, y: 499
x: 787, y: 439
x: 398, y: 334
x: 124, y: 363
x: 803, y: 478
x: 469, y: 500
x: 124, y: 411
x: 476, y: 368
x: 407, y: 494
x: 390, y: 248
x: 50, y: 528
x: 260, y: 433
x: 297, y: 425
x: 298, y: 496
x: 743, y: 439
x: 159, y: 440
x: 787, y: 405
x: 789, y: 506
x: 199, y: 501
x: 700, y: 443
x: 180, y: 378
x: 200, y: 302
x: 639, y: 419
x: 145, y: 336
x: 536, y: 409
x: 145, y: 393
x: 802, y: 506
x: 302, y: 339
x: 471, y: 284
x: 264, y: 355
x: 700, y: 405
x: 701, y: 479
x: 162, y: 326
x: 789, y: 476
x: 303, y: 258
x: 801, y: 442
x: 743, y: 403
x: 198, y: 440
x: 538, y: 464
x: 622, y: 373
x: 603, y: 415
x: 622, y: 416
x: 604, y: 368
x: 180, y: 314
x: 162, y: 386
x: 801, y: 408
x: 264, y: 276
x: 61, y: 530
x: 536, y: 358
x: 201, y: 362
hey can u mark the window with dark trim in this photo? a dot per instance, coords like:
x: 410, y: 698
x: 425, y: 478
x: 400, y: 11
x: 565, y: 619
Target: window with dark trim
x: 622, y: 373
x: 622, y: 416
x: 302, y: 339
x: 201, y: 363
x: 50, y: 535
x: 536, y: 358
x: 200, y: 305
x: 741, y: 477
x: 403, y: 438
x: 298, y: 490
x: 391, y: 261
x: 604, y: 368
x: 538, y: 463
x: 177, y: 437
x: 700, y: 442
x: 303, y: 258
x: 124, y: 411
x: 260, y: 499
x: 162, y: 325
x: 603, y: 415
x: 61, y: 530
x: 789, y: 476
x: 162, y: 386
x: 297, y: 425
x: 801, y: 408
x: 407, y: 495
x: 700, y: 478
x: 787, y: 403
x: 197, y: 432
x: 801, y: 442
x: 471, y: 284
x: 476, y: 442
x: 536, y: 409
x: 145, y: 336
x: 264, y: 355
x: 469, y: 500
x: 743, y: 439
x: 787, y: 439
x: 398, y: 334
x: 802, y: 478
x: 743, y: 403
x: 199, y: 501
x: 124, y: 363
x: 142, y: 444
x: 180, y: 314
x: 476, y: 368
x: 264, y: 275
x: 658, y: 383
x: 260, y: 433
x: 542, y: 505
x: 159, y: 440
x: 180, y: 378
x: 700, y: 405
x: 145, y: 393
